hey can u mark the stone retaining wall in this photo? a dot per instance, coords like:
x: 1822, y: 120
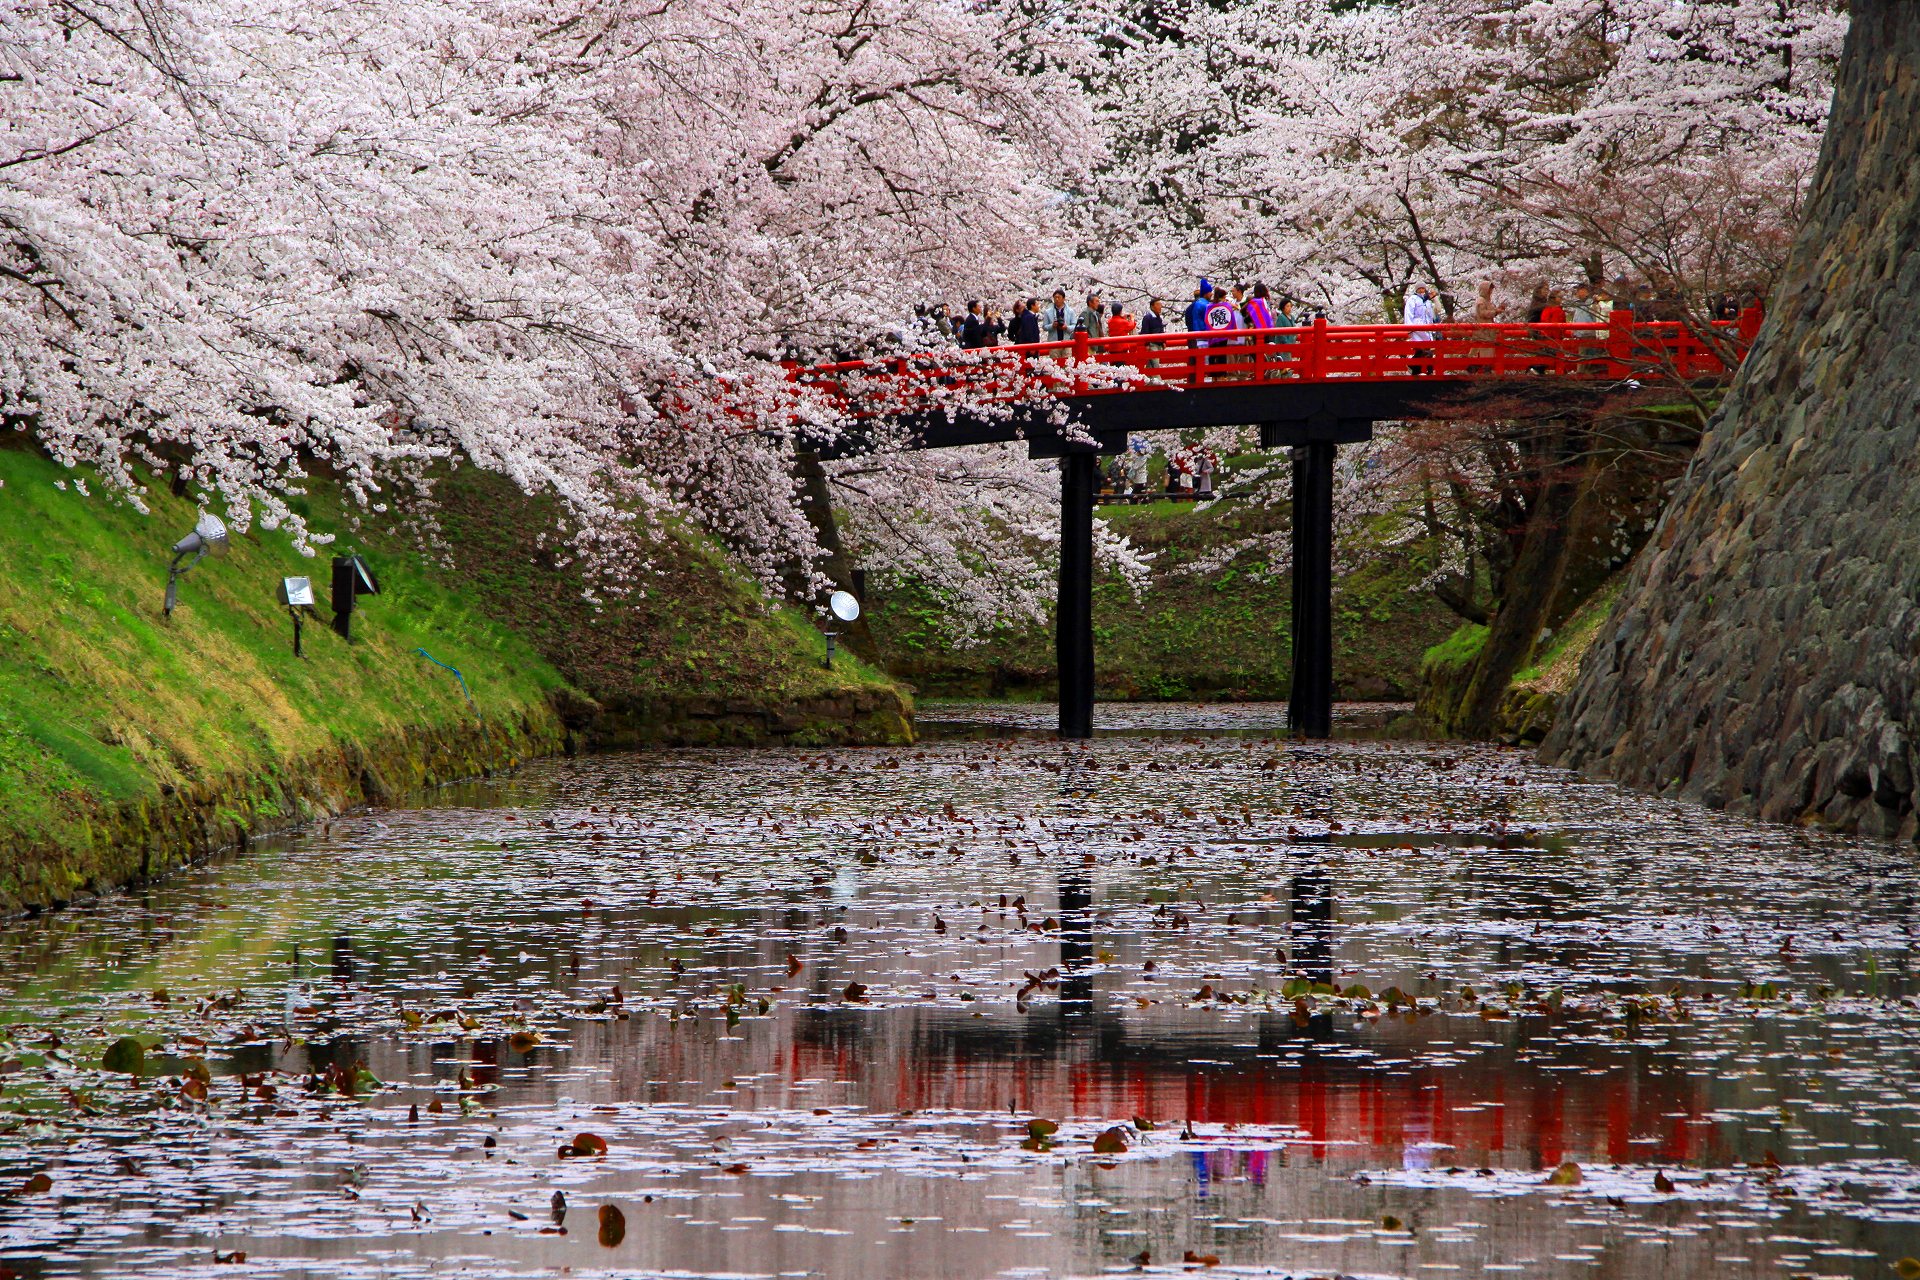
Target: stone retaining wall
x: 1765, y: 656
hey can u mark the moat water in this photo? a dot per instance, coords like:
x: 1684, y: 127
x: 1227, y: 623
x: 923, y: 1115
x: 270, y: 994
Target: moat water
x: 1190, y: 998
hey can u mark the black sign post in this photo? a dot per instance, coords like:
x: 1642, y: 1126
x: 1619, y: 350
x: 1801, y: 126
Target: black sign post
x: 351, y: 579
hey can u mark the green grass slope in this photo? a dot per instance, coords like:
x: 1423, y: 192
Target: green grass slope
x: 129, y: 743
x: 1217, y: 634
x: 692, y: 654
x: 106, y: 706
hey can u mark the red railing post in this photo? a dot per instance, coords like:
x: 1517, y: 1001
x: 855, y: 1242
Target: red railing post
x: 1619, y: 342
x: 1082, y: 354
x: 1751, y: 318
x: 1313, y: 360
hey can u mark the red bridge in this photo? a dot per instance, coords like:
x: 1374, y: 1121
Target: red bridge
x: 1312, y: 388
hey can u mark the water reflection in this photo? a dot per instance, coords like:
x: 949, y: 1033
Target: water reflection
x: 811, y: 1002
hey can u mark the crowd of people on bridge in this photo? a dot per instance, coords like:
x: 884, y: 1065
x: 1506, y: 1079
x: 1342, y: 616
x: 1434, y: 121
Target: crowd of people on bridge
x: 1218, y: 307
x: 1059, y: 318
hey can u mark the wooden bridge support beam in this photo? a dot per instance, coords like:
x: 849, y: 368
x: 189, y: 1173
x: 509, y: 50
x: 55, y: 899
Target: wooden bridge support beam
x: 1310, y: 707
x: 1073, y: 619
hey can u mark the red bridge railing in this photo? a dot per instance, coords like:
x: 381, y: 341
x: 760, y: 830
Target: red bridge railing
x: 1450, y: 353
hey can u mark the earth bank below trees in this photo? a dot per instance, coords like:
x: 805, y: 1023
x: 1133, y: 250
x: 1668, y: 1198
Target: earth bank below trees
x: 130, y: 745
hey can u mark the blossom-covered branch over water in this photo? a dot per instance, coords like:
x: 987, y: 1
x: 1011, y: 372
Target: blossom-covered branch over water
x: 244, y: 241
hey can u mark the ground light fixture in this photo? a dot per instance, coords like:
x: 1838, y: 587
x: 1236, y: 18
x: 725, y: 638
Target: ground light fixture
x: 351, y: 580
x: 297, y: 595
x: 844, y: 607
x: 209, y: 535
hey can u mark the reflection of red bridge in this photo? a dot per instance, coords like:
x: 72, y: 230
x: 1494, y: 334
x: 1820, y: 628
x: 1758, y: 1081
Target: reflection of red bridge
x: 1315, y: 387
x: 1486, y: 1108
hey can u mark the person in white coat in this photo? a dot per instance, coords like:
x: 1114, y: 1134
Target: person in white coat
x: 1422, y: 310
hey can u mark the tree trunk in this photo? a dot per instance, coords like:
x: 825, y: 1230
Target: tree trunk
x: 1765, y: 654
x: 816, y: 500
x: 1532, y: 601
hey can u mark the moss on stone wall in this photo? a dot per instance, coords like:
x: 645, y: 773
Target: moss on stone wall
x: 1532, y: 699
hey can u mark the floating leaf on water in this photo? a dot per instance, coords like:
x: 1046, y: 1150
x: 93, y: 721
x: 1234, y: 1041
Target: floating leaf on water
x: 585, y: 1144
x: 521, y: 1041
x: 613, y: 1225
x: 1662, y: 1183
x: 856, y: 991
x: 1907, y: 1268
x: 38, y: 1184
x: 1390, y: 1223
x: 125, y: 1055
x: 1567, y: 1175
x: 1201, y: 1259
x: 1042, y: 1129
x: 1112, y: 1142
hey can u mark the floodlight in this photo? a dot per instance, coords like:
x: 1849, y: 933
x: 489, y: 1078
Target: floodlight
x: 209, y: 535
x: 844, y: 607
x: 297, y: 595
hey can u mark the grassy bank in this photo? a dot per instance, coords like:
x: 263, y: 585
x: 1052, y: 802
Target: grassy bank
x: 130, y: 743
x: 1217, y: 634
x: 1532, y: 697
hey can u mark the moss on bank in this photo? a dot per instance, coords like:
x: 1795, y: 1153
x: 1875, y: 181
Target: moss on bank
x: 1223, y: 633
x: 130, y: 744
x: 1532, y: 698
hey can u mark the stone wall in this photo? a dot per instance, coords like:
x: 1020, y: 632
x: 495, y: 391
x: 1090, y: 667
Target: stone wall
x: 1765, y: 656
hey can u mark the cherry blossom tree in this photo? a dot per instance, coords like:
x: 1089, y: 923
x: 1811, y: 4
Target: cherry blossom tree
x: 242, y: 240
x: 1344, y: 152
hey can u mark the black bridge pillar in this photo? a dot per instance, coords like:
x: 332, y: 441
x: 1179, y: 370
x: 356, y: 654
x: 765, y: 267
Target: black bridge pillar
x: 1310, y: 710
x: 1073, y: 619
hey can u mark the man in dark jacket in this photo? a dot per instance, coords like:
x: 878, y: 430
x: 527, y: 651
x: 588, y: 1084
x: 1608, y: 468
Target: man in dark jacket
x: 973, y: 330
x: 1153, y: 321
x: 1026, y: 323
